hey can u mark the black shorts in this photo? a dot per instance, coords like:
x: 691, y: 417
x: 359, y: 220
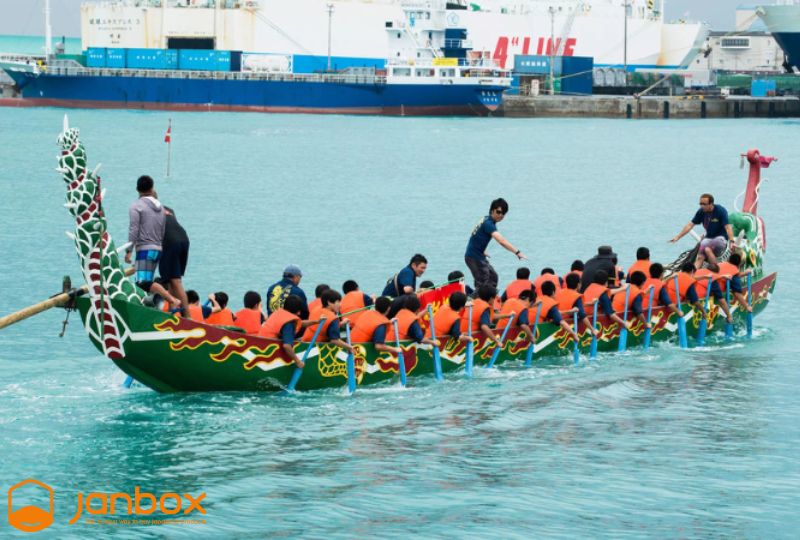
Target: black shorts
x: 173, y: 260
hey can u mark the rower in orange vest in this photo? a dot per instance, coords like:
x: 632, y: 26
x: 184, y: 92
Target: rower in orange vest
x: 569, y: 298
x: 329, y: 310
x: 353, y: 300
x: 196, y: 311
x: 317, y: 301
x: 372, y: 327
x: 548, y: 274
x: 482, y: 313
x: 642, y: 263
x: 597, y: 292
x: 408, y: 326
x: 522, y: 283
x: 575, y: 268
x: 519, y: 306
x: 660, y: 294
x: 220, y: 314
x: 447, y: 319
x: 634, y: 296
x: 730, y: 270
x: 686, y: 287
x: 284, y: 324
x: 550, y: 311
x: 250, y: 318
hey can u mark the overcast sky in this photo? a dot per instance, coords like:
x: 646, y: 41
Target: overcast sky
x: 25, y: 16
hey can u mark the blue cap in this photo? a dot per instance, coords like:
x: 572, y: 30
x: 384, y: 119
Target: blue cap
x: 293, y: 270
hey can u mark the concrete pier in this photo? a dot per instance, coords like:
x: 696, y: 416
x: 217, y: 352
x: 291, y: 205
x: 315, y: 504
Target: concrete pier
x: 661, y: 107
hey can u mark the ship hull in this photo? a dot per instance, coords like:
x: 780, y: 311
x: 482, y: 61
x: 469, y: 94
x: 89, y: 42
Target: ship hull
x: 783, y: 22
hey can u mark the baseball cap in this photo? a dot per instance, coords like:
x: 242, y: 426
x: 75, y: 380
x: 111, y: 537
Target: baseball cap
x: 293, y: 270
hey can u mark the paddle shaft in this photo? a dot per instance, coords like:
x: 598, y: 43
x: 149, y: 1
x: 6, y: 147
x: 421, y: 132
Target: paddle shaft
x: 401, y: 363
x: 437, y: 355
x: 532, y: 346
x: 681, y: 321
x: 499, y: 346
x: 649, y: 331
x: 470, y: 345
x: 351, y: 363
x: 298, y: 370
x: 623, y: 334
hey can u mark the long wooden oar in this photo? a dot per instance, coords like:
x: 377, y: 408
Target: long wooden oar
x: 593, y: 348
x: 623, y: 334
x: 499, y: 346
x: 532, y: 346
x: 701, y: 330
x: 682, y: 340
x: 437, y: 357
x: 576, y: 353
x: 470, y: 359
x: 401, y: 362
x: 728, y: 324
x: 648, y: 331
x: 298, y: 370
x: 351, y: 363
x: 749, y: 318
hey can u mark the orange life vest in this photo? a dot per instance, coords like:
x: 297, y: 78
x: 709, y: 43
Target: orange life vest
x: 548, y: 303
x: 566, y: 299
x: 640, y: 266
x: 656, y: 284
x: 196, y: 312
x: 618, y: 301
x: 443, y: 321
x: 249, y: 320
x: 578, y: 273
x: 405, y: 318
x: 350, y: 302
x: 684, y: 282
x: 316, y: 314
x: 727, y: 270
x: 272, y: 327
x: 517, y: 286
x: 478, y: 307
x: 512, y: 304
x: 593, y: 292
x: 365, y: 327
x: 315, y: 303
x: 701, y: 276
x: 223, y: 317
x: 552, y: 278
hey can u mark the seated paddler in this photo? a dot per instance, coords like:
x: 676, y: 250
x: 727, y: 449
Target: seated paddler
x: 686, y: 287
x: 405, y: 281
x: 288, y: 285
x: 447, y: 319
x: 250, y: 318
x: 329, y: 310
x: 569, y: 298
x: 729, y: 270
x: 482, y: 314
x: 220, y: 315
x: 408, y: 326
x: 634, y: 294
x: 660, y: 294
x: 522, y: 283
x: 519, y: 306
x: 353, y: 300
x: 284, y: 324
x: 373, y: 325
x: 598, y: 294
x: 549, y: 311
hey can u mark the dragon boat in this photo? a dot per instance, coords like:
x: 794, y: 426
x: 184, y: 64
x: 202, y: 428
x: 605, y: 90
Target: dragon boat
x: 168, y: 353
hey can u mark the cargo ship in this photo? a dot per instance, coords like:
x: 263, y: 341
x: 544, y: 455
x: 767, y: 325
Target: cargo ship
x: 430, y: 71
x: 783, y: 22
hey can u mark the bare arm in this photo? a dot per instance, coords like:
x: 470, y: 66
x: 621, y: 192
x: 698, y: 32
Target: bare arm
x: 489, y: 334
x: 383, y: 347
x: 343, y: 345
x: 506, y: 244
x: 686, y: 228
x: 289, y: 350
x: 729, y: 230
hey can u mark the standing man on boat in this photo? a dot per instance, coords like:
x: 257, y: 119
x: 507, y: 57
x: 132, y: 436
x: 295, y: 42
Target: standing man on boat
x: 146, y: 234
x: 288, y: 285
x: 174, y: 258
x: 476, y: 258
x: 405, y: 281
x: 719, y: 231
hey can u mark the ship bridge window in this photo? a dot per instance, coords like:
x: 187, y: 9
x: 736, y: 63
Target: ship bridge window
x: 425, y: 72
x: 401, y: 72
x: 447, y: 72
x: 190, y: 43
x: 735, y: 43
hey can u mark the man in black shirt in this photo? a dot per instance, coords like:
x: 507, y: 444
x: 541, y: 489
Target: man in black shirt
x: 174, y: 258
x: 604, y: 260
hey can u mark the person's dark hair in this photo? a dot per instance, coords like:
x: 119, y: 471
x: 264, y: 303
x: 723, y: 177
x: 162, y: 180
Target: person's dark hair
x: 251, y: 299
x: 457, y: 300
x: 321, y: 288
x: 144, y: 184
x: 638, y: 278
x: 192, y: 296
x: 656, y: 270
x: 412, y: 303
x: 293, y: 304
x: 222, y: 299
x: 577, y: 264
x: 382, y: 304
x: 329, y: 297
x: 735, y: 259
x: 499, y: 204
x: 349, y: 286
x: 454, y: 275
x: 642, y: 254
x: 526, y: 294
x: 486, y: 292
x: 418, y: 258
x: 523, y: 273
x: 548, y: 288
x: 548, y: 270
x: 600, y: 277
x: 398, y: 303
x: 427, y: 284
x: 573, y: 281
x: 708, y: 196
x: 687, y: 267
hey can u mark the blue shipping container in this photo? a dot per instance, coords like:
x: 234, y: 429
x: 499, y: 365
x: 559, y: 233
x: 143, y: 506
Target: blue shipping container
x: 530, y: 64
x: 197, y: 60
x: 763, y: 88
x: 222, y: 60
x: 577, y: 75
x: 115, y: 58
x: 96, y: 57
x: 152, y: 59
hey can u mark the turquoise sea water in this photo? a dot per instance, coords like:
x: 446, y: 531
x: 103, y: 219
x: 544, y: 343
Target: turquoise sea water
x: 35, y: 44
x: 671, y: 444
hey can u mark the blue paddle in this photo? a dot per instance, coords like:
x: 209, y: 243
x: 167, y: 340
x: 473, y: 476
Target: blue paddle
x: 351, y: 363
x: 470, y: 346
x: 298, y: 370
x: 623, y: 334
x: 576, y: 354
x: 532, y: 346
x: 499, y: 346
x: 749, y: 319
x: 728, y: 325
x: 401, y: 362
x: 593, y: 348
x: 682, y: 340
x: 648, y: 332
x: 437, y: 357
x: 701, y: 330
